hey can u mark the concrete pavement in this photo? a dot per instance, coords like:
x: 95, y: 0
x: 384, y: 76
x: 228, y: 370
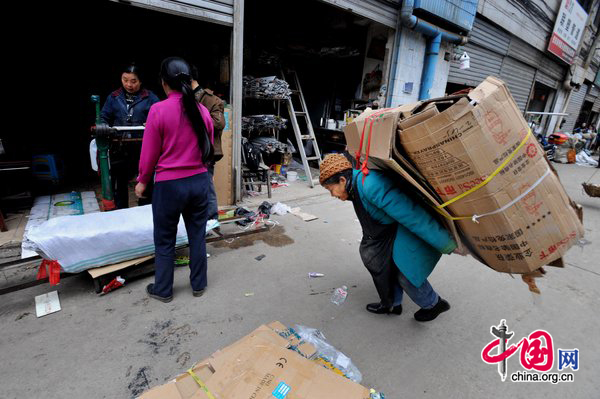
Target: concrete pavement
x: 118, y: 345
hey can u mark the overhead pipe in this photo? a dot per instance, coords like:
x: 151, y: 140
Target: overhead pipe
x: 435, y: 35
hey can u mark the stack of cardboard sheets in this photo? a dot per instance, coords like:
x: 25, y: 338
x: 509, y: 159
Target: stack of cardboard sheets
x: 473, y: 160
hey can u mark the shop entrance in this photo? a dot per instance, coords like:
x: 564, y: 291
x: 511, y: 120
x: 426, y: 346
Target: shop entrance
x: 81, y: 56
x: 341, y: 61
x: 541, y: 100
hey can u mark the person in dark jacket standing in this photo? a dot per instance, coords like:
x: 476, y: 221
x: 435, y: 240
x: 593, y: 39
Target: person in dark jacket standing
x: 177, y: 146
x: 127, y: 106
x: 401, y: 241
x: 216, y: 107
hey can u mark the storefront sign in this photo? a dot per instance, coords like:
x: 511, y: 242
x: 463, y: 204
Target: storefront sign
x: 568, y: 31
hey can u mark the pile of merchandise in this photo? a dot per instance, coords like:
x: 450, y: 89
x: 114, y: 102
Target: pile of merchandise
x: 268, y: 87
x: 259, y: 123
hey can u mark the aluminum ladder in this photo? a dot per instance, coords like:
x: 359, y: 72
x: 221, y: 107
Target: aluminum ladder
x: 301, y: 138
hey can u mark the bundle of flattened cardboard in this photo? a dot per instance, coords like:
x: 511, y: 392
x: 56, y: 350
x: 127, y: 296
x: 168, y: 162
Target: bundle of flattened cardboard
x: 514, y: 215
x: 269, y: 362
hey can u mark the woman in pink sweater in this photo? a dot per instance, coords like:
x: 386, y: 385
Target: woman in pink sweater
x: 177, y: 145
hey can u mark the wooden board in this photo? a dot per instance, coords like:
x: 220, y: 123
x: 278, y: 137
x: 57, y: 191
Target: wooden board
x: 101, y: 271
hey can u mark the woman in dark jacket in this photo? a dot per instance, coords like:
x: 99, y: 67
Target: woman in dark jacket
x: 127, y: 106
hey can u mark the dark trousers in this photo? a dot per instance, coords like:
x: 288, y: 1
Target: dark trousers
x: 170, y: 200
x: 213, y: 207
x: 119, y: 176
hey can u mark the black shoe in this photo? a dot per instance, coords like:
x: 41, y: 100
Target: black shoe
x: 151, y: 294
x: 429, y: 314
x: 199, y: 292
x: 377, y: 308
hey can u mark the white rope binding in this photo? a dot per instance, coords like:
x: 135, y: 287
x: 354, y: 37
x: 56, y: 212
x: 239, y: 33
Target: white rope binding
x: 476, y: 218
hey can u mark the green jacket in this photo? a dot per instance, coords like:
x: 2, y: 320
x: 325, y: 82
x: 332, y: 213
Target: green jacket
x: 420, y: 240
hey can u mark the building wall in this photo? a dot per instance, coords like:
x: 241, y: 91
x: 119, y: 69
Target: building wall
x: 532, y: 19
x: 409, y: 68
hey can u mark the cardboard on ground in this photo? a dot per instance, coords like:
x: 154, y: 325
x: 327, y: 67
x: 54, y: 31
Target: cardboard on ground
x: 261, y: 365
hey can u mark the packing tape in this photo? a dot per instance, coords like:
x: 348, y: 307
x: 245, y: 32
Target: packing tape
x: 490, y: 177
x: 200, y: 383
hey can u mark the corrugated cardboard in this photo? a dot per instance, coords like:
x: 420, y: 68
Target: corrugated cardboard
x: 383, y: 153
x: 383, y: 132
x: 223, y: 178
x: 259, y: 366
x: 460, y: 147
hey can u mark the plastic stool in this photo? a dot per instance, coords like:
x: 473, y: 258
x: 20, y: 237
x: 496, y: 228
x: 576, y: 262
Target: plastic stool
x: 47, y: 167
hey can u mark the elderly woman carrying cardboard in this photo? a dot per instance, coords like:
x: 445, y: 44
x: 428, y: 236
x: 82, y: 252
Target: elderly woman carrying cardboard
x: 401, y: 241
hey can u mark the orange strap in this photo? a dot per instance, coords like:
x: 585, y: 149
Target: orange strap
x: 370, y: 119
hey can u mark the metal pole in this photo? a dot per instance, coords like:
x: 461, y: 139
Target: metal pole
x: 103, y: 144
x: 236, y: 83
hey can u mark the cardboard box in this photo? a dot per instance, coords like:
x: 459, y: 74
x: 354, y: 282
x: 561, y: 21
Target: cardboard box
x: 264, y: 364
x: 383, y: 130
x: 223, y: 178
x: 531, y: 221
x: 385, y: 152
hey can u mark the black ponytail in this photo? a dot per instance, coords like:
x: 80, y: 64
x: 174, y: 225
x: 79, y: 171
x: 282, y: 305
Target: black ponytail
x: 177, y: 74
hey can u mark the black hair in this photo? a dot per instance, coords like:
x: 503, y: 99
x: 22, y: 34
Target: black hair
x: 335, y: 179
x: 132, y: 68
x: 194, y: 72
x: 176, y: 73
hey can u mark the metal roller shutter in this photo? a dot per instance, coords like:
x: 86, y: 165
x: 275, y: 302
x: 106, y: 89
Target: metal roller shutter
x: 546, y: 80
x: 487, y: 47
x: 552, y: 69
x: 592, y: 94
x: 575, y: 103
x: 596, y: 106
x: 378, y: 11
x: 549, y: 73
x: 519, y: 78
x: 483, y: 64
x: 489, y: 36
x: 216, y: 11
x: 524, y: 52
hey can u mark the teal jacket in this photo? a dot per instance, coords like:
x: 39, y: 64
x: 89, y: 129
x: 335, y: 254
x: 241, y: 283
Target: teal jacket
x: 420, y: 240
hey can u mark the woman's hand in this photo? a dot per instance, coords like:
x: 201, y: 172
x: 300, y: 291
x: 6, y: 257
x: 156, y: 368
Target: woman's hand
x: 139, y: 190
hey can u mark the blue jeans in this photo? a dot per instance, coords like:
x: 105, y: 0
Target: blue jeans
x: 170, y: 200
x: 213, y: 207
x: 424, y: 296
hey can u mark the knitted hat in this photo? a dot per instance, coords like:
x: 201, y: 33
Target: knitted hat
x: 332, y: 165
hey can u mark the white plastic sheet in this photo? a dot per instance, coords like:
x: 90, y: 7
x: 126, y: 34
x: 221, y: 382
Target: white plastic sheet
x: 83, y: 242
x: 583, y: 159
x: 51, y: 206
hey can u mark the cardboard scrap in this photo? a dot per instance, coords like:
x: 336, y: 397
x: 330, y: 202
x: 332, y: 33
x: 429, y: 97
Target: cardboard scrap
x: 269, y: 362
x: 307, y: 217
x: 101, y: 271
